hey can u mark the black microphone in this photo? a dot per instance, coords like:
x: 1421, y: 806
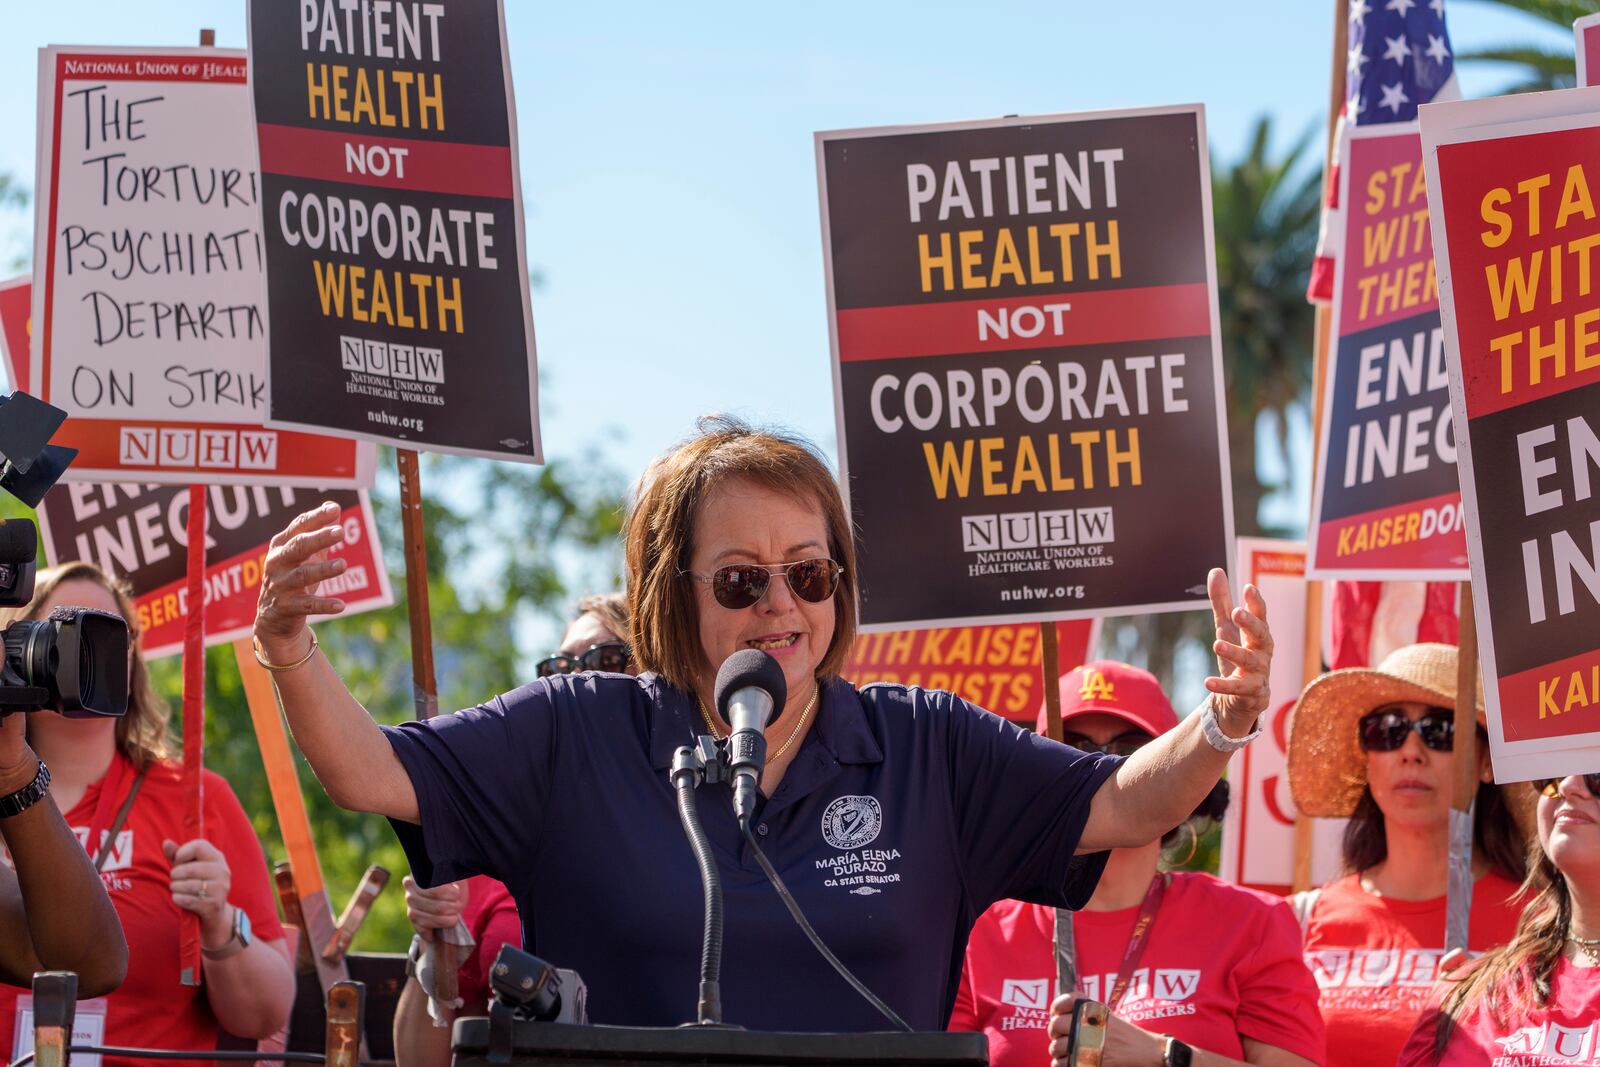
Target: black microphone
x: 750, y: 693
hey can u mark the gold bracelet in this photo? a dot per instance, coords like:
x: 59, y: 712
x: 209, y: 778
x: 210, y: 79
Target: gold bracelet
x: 279, y: 668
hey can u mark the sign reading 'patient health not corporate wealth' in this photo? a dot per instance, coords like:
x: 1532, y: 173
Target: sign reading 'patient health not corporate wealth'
x: 1514, y: 188
x: 397, y: 277
x: 1027, y: 365
x: 148, y: 328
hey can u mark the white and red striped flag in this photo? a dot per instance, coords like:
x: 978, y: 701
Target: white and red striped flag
x: 1399, y: 58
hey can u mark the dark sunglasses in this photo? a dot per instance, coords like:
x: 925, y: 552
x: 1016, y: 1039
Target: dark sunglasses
x: 610, y: 656
x: 1121, y: 745
x: 1551, y: 787
x: 741, y: 585
x: 1386, y: 730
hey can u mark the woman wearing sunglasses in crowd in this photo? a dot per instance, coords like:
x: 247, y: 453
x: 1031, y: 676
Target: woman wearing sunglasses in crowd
x: 480, y: 907
x: 1197, y: 971
x: 1536, y: 1000
x: 895, y: 815
x: 1375, y: 746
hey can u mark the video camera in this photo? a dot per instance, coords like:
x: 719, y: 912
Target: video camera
x: 75, y: 661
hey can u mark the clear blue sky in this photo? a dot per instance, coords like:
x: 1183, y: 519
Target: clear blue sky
x: 668, y: 169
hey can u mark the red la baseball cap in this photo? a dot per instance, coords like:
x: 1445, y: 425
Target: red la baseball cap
x: 1111, y: 688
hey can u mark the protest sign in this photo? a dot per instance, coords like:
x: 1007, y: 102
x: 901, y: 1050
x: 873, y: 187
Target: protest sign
x: 998, y: 668
x: 1258, y: 829
x: 1027, y: 368
x: 1511, y: 183
x: 1586, y: 41
x: 139, y: 533
x: 397, y: 275
x: 1386, y: 499
x: 16, y: 298
x: 149, y: 330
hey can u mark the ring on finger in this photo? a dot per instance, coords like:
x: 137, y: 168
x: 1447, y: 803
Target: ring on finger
x: 202, y: 894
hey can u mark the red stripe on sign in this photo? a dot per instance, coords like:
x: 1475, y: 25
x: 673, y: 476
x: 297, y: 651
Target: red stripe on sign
x: 386, y: 162
x: 1428, y: 534
x: 206, y: 448
x: 1560, y: 699
x: 1046, y: 321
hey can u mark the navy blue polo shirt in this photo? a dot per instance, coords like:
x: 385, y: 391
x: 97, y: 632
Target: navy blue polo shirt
x: 904, y: 815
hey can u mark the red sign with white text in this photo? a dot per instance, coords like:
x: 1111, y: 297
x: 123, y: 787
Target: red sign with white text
x: 16, y: 296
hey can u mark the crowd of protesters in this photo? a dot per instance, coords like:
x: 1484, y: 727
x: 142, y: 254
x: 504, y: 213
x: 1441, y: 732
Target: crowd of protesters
x: 1006, y: 852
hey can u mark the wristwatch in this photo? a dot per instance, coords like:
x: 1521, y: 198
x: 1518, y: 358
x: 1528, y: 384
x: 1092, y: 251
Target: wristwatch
x: 1219, y: 740
x: 26, y: 797
x: 1176, y: 1054
x: 237, y: 942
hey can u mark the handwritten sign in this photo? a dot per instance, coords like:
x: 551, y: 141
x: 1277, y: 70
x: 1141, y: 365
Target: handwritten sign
x: 150, y: 329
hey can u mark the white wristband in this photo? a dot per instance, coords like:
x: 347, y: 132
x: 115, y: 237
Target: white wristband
x: 1219, y: 740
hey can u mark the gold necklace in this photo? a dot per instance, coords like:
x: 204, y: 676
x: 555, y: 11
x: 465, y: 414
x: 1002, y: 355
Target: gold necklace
x: 1589, y: 946
x: 798, y: 727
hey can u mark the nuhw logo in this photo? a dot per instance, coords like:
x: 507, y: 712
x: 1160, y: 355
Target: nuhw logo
x: 1036, y: 529
x: 1025, y: 992
x: 1553, y: 1043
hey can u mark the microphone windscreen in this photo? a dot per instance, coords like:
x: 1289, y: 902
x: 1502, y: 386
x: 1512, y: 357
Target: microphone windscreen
x: 751, y: 667
x: 19, y: 542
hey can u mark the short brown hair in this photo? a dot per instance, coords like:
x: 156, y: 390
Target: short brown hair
x: 660, y: 530
x: 610, y: 608
x: 142, y: 732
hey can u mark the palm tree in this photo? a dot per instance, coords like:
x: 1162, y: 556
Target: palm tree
x: 1265, y: 210
x: 1540, y: 66
x: 13, y: 197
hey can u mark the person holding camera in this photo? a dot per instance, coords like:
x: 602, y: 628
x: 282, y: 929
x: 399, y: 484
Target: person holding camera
x: 1376, y: 746
x: 54, y: 913
x: 122, y: 792
x: 480, y: 907
x: 1196, y: 971
x: 1536, y: 999
x: 896, y: 815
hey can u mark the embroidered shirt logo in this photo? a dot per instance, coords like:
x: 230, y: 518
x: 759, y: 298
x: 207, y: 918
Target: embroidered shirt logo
x: 852, y: 822
x: 1026, y: 992
x: 1096, y: 687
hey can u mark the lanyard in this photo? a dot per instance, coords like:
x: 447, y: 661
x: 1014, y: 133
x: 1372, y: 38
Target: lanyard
x: 112, y: 784
x: 1066, y: 947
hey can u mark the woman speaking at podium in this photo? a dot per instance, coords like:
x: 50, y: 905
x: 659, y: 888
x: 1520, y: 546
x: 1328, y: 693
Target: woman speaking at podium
x: 895, y: 815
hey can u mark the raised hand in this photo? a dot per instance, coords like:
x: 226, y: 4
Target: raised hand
x: 1244, y: 655
x: 298, y: 559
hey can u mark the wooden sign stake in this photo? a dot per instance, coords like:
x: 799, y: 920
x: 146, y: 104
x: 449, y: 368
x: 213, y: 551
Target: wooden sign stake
x: 1319, y: 365
x: 1458, y: 902
x: 272, y: 737
x: 425, y: 688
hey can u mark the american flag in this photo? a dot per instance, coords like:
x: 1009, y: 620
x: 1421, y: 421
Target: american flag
x: 1399, y: 58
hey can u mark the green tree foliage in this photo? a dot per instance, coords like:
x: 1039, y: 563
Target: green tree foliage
x: 1537, y: 67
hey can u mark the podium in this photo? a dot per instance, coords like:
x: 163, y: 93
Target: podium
x: 564, y: 1045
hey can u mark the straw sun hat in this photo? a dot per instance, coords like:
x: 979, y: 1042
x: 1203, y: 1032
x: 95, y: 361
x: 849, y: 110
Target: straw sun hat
x: 1327, y: 769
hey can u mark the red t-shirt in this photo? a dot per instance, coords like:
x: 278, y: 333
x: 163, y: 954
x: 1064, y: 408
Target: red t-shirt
x: 152, y: 1009
x: 1220, y: 964
x: 1567, y: 1031
x: 491, y: 916
x: 1376, y: 958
